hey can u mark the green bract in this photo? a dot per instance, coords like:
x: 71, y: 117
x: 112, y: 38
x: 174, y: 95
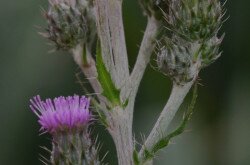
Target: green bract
x: 109, y: 89
x: 195, y: 19
x: 74, y: 148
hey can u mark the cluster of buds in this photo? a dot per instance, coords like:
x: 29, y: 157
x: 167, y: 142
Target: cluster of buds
x: 70, y: 23
x: 192, y: 39
x: 67, y: 120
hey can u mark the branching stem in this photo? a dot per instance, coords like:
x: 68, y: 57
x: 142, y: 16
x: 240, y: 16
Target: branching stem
x: 175, y: 100
x: 143, y: 58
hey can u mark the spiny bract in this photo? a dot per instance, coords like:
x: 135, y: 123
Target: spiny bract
x: 70, y: 22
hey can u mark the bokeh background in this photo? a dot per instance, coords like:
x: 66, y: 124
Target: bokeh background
x: 219, y: 133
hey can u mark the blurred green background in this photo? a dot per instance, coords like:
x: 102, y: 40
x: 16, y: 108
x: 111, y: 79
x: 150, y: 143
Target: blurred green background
x: 219, y: 133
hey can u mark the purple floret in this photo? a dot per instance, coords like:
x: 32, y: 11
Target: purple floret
x: 63, y: 113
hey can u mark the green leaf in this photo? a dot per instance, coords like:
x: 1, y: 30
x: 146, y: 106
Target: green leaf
x: 147, y: 155
x: 136, y: 158
x: 104, y: 77
x: 160, y: 144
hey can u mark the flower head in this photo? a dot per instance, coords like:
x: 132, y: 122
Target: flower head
x: 62, y: 113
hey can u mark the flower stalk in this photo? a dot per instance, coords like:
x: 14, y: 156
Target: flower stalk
x: 161, y: 126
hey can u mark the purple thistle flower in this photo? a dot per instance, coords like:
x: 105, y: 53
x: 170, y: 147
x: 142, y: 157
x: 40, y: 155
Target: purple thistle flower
x: 63, y: 113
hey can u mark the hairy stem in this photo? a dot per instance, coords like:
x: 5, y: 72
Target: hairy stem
x: 121, y: 132
x: 88, y: 69
x: 145, y: 52
x: 114, y: 54
x: 175, y: 100
x: 111, y: 33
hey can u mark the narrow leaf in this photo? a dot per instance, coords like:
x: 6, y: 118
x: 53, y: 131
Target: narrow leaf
x: 136, y: 158
x: 104, y: 77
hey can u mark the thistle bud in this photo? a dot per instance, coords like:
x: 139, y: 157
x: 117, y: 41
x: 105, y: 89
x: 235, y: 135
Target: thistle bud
x: 193, y: 27
x: 177, y: 62
x: 67, y: 120
x: 70, y: 22
x: 195, y: 20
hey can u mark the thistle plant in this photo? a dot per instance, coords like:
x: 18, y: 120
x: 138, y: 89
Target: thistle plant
x: 183, y: 36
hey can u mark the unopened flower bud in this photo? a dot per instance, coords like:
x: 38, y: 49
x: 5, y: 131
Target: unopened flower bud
x: 70, y: 22
x: 194, y: 19
x: 178, y: 62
